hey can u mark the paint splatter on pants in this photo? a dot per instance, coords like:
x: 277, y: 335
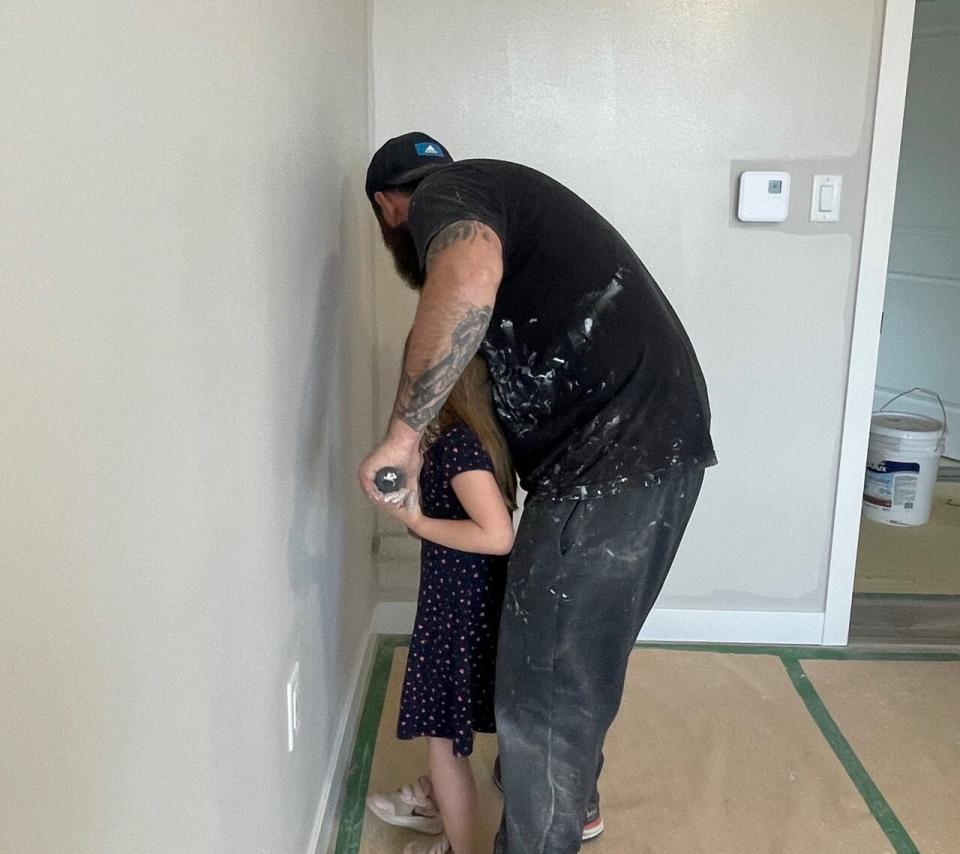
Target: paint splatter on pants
x: 582, y: 578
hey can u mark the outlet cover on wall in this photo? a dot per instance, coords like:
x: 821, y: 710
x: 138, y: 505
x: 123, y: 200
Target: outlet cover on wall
x: 293, y: 706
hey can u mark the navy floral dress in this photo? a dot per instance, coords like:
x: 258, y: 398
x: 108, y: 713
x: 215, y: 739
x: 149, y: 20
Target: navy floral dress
x: 448, y: 687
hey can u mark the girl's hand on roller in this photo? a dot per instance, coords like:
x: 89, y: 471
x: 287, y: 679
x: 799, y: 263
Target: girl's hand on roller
x: 400, y: 452
x: 408, y: 513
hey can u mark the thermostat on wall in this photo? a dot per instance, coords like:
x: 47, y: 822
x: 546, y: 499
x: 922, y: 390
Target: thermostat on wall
x: 764, y: 197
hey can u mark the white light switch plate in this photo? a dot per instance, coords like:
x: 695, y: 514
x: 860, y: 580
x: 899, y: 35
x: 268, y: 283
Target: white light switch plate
x: 825, y: 199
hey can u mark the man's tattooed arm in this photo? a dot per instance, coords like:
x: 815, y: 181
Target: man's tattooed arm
x: 421, y: 396
x: 463, y: 230
x: 464, y: 266
x: 464, y: 269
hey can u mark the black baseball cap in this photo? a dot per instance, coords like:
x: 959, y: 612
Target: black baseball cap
x: 404, y: 159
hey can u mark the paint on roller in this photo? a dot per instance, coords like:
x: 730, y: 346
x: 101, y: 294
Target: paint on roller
x: 389, y: 479
x: 406, y: 498
x: 392, y: 485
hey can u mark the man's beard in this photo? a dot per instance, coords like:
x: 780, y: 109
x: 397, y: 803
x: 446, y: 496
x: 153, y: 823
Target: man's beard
x: 400, y: 243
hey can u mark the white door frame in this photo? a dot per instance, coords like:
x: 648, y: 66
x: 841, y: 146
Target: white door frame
x: 868, y: 310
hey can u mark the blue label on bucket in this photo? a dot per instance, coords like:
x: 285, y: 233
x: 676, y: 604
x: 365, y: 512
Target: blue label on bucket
x: 890, y: 483
x: 892, y: 467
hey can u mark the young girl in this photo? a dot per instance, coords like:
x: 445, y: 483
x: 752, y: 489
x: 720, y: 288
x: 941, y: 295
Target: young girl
x: 467, y: 495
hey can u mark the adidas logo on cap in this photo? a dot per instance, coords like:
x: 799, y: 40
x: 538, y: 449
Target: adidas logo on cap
x: 429, y: 149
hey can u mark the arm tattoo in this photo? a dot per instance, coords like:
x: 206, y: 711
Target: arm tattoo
x: 420, y: 397
x: 464, y: 229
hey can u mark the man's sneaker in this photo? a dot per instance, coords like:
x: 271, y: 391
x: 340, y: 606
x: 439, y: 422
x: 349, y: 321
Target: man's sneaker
x: 593, y: 826
x: 428, y: 846
x: 411, y: 806
x: 593, y: 823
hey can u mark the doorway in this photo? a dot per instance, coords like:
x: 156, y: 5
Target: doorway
x: 907, y: 581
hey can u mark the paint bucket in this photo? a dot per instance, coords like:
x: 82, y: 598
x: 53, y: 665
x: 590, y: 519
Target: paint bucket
x: 902, y: 462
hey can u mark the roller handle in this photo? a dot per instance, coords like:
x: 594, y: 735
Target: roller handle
x: 389, y: 479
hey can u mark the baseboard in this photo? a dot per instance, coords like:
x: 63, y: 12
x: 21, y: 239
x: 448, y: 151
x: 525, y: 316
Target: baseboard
x: 789, y: 628
x: 394, y: 618
x: 328, y: 808
x: 672, y: 625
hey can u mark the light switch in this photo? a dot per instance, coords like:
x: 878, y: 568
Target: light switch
x: 825, y: 200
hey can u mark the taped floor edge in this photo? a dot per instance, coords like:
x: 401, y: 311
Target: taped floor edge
x: 351, y: 828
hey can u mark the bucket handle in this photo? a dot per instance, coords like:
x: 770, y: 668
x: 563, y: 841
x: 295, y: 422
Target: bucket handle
x: 911, y: 391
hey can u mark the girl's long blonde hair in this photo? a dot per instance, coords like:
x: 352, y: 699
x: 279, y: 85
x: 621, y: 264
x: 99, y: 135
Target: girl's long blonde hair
x: 471, y: 402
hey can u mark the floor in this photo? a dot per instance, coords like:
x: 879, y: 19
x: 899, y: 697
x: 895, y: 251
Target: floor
x: 924, y: 560
x: 907, y: 586
x: 890, y: 618
x: 743, y: 749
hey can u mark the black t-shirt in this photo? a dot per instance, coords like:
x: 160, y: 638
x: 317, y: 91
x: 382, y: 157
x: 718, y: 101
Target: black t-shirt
x: 594, y: 378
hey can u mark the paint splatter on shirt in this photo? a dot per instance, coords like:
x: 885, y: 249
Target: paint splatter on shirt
x: 595, y: 381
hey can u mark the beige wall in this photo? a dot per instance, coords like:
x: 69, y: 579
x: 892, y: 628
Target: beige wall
x: 185, y: 377
x: 649, y: 110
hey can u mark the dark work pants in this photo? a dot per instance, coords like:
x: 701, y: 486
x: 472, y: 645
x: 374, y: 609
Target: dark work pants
x: 582, y: 578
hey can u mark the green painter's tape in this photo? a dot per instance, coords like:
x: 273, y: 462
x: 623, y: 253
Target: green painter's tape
x: 801, y: 653
x: 358, y: 775
x: 907, y: 598
x: 871, y: 794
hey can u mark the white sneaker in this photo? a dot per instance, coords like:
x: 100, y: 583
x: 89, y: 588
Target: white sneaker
x: 428, y: 846
x: 411, y: 806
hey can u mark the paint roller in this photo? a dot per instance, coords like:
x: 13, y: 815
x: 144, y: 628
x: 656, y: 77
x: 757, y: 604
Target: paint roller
x: 389, y: 479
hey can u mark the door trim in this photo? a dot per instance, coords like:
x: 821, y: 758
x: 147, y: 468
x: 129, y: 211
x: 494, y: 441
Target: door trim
x: 868, y: 310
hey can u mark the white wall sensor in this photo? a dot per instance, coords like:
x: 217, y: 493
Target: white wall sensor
x: 764, y: 197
